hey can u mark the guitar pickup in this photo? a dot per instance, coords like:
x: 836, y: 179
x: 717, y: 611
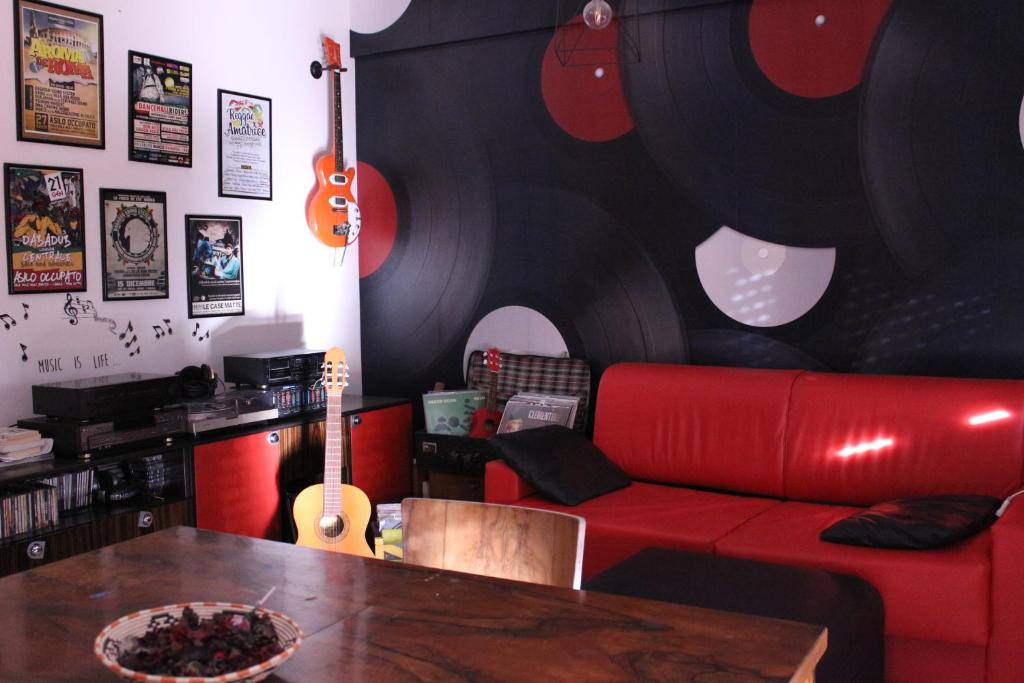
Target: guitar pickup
x: 339, y: 179
x: 342, y: 230
x: 338, y: 202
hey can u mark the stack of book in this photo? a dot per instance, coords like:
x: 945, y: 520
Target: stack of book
x: 529, y: 411
x: 20, y: 445
x: 388, y: 546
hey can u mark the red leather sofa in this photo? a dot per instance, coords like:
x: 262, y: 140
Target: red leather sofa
x: 755, y: 463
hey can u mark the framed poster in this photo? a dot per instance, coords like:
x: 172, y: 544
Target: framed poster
x: 159, y: 110
x: 45, y: 229
x: 244, y: 146
x: 134, y: 229
x: 58, y: 74
x: 214, y: 257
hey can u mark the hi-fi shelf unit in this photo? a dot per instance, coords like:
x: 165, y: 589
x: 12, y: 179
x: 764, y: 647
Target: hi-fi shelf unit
x: 100, y: 523
x: 235, y: 480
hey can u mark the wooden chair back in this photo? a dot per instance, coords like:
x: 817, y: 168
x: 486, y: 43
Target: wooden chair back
x: 502, y: 541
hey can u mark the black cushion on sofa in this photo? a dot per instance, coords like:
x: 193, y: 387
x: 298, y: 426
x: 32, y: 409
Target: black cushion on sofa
x: 915, y: 523
x: 560, y: 463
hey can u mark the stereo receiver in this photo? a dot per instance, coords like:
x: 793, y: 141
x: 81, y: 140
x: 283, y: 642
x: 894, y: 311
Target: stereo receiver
x: 274, y: 368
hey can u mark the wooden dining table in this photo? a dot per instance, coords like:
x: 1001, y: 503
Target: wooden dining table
x: 374, y: 620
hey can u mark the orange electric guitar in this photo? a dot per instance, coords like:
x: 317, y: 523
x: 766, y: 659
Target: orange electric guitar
x: 332, y: 515
x: 485, y: 420
x: 332, y: 214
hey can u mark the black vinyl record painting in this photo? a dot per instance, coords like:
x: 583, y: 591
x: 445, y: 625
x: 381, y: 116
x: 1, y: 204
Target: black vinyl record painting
x: 942, y: 154
x: 827, y: 185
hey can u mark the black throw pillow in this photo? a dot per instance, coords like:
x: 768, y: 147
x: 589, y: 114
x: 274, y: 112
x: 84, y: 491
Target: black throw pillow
x: 560, y: 463
x: 915, y: 523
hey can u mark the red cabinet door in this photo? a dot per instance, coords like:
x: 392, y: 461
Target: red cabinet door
x: 237, y: 486
x: 382, y: 453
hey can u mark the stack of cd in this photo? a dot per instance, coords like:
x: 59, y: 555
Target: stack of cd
x: 149, y: 473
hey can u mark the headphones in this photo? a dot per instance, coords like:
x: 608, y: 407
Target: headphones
x: 198, y: 382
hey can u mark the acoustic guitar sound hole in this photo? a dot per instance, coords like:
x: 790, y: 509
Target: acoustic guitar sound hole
x: 333, y: 527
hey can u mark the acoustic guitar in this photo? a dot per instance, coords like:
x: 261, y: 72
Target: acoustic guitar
x: 332, y: 213
x: 484, y: 422
x: 333, y: 516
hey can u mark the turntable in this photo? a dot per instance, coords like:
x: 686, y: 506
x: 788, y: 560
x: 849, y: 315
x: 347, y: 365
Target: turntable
x: 230, y: 409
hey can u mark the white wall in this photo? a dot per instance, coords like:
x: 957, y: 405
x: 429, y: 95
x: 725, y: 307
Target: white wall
x: 294, y: 294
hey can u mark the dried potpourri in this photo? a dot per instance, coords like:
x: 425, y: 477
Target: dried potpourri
x: 225, y: 642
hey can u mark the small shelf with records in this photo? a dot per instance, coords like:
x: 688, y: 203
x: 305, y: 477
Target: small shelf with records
x: 526, y: 410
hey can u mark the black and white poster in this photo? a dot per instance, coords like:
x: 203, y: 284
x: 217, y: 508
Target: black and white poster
x: 134, y: 244
x: 244, y: 146
x: 214, y: 246
x: 159, y: 110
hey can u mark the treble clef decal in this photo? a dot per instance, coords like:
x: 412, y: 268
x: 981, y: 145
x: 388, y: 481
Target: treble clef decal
x: 71, y: 311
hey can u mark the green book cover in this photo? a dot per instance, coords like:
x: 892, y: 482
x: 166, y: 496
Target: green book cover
x: 450, y: 412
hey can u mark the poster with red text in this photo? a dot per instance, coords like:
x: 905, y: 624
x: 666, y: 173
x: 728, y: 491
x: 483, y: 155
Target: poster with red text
x: 59, y: 69
x: 45, y: 229
x: 159, y: 110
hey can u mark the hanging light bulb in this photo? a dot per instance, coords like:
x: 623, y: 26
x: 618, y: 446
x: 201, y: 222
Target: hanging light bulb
x: 597, y: 14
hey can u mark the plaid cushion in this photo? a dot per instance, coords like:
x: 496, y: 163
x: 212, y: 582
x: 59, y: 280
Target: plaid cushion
x: 538, y: 374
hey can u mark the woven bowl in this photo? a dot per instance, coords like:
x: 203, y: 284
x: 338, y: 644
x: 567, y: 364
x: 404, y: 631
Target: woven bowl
x: 115, y: 636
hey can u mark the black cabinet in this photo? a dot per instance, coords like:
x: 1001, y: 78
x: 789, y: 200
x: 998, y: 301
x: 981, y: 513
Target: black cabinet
x: 103, y: 501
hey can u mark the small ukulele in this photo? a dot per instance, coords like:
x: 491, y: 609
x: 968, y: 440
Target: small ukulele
x: 333, y: 516
x: 332, y: 213
x: 485, y: 420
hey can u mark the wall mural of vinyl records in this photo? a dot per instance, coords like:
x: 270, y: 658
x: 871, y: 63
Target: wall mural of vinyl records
x: 773, y: 165
x: 595, y: 282
x: 966, y: 319
x: 561, y: 255
x: 747, y: 350
x: 421, y: 298
x: 941, y: 146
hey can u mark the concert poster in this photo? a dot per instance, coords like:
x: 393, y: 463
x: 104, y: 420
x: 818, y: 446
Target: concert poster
x: 58, y: 62
x: 159, y: 110
x: 244, y: 149
x: 214, y: 257
x: 134, y: 230
x: 45, y: 229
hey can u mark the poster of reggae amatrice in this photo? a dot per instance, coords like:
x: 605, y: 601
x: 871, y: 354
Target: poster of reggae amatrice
x: 59, y: 74
x: 45, y: 229
x: 245, y: 157
x: 134, y: 244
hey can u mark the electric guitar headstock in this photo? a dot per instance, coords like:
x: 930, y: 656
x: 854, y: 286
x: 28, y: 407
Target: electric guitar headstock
x: 332, y: 59
x: 335, y: 376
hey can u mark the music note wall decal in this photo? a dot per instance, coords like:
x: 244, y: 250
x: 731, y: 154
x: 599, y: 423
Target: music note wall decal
x: 71, y: 311
x: 25, y: 307
x: 126, y: 332
x: 24, y: 353
x: 8, y: 320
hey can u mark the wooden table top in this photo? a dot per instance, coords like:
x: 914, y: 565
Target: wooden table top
x: 370, y: 620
